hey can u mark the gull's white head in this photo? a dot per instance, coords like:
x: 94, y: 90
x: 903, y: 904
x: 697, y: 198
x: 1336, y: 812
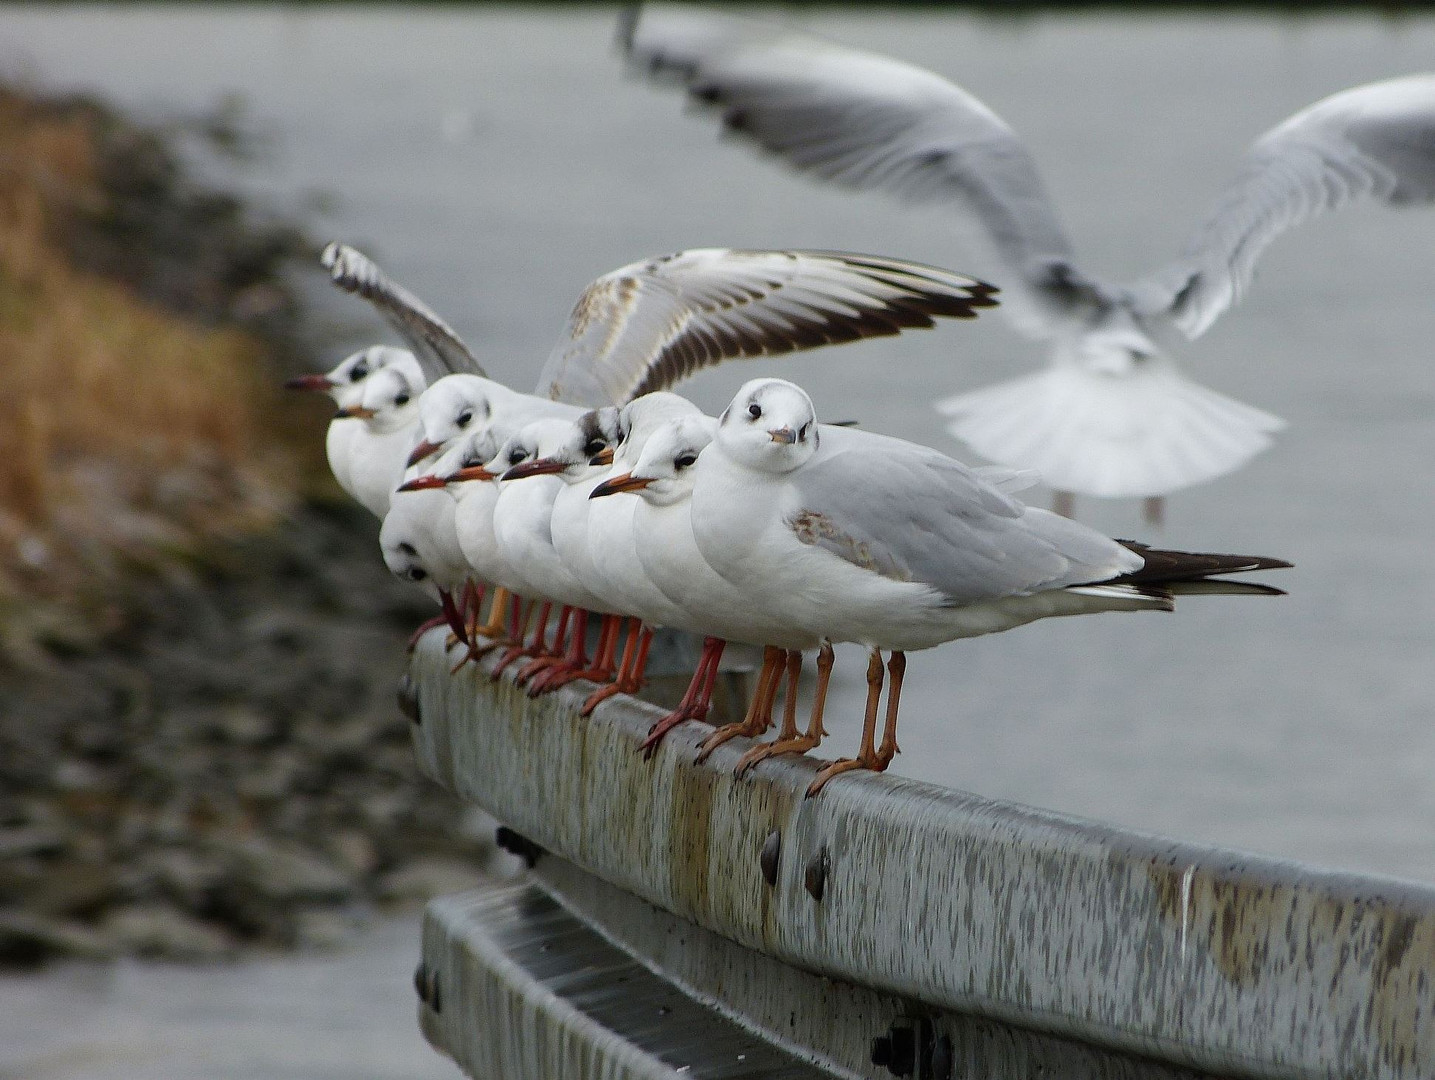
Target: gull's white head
x: 454, y: 406
x: 572, y: 450
x: 641, y: 417
x: 770, y: 426
x: 345, y: 382
x: 389, y: 401
x: 667, y: 468
x: 397, y: 539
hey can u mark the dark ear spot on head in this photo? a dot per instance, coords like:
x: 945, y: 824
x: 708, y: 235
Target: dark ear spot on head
x: 408, y: 549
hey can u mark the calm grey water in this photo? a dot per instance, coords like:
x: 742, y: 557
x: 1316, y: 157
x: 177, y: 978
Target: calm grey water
x: 497, y: 160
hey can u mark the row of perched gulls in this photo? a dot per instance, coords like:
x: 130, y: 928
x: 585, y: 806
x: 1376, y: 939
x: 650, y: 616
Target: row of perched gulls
x: 604, y: 494
x: 1112, y: 416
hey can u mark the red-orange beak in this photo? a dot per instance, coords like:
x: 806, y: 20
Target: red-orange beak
x: 355, y: 412
x: 536, y: 467
x: 423, y: 450
x: 471, y: 472
x: 626, y: 482
x: 602, y: 457
x: 310, y: 382
x: 423, y: 483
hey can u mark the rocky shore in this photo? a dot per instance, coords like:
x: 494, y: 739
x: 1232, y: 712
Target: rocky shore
x: 200, y: 750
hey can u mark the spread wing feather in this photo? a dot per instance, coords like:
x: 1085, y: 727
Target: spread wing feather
x: 649, y: 325
x: 1375, y: 141
x: 433, y: 341
x: 869, y: 122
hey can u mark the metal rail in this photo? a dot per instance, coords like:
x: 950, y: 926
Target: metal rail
x: 1100, y: 938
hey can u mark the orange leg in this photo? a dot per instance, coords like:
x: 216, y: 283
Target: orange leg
x: 573, y: 662
x: 533, y: 648
x: 870, y: 757
x: 794, y: 743
x: 549, y: 656
x: 423, y: 628
x: 630, y: 672
x: 696, y: 701
x: 759, y: 710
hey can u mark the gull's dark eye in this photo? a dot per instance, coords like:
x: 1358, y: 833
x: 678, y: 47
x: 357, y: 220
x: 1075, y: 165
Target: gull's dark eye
x: 802, y: 431
x: 685, y: 461
x: 594, y: 447
x: 464, y: 418
x: 516, y: 456
x: 417, y: 573
x: 359, y: 372
x: 754, y: 410
x: 402, y: 399
x: 408, y: 549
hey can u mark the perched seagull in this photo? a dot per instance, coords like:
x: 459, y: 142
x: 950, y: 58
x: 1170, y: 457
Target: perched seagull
x: 530, y: 464
x: 706, y: 602
x: 1113, y: 416
x: 345, y: 385
x: 420, y: 543
x: 377, y: 454
x: 863, y: 538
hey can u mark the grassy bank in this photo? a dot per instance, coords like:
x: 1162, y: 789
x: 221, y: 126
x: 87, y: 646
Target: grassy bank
x: 138, y: 416
x: 199, y: 749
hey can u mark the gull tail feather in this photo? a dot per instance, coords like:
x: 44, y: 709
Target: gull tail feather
x: 1188, y: 573
x: 1147, y: 432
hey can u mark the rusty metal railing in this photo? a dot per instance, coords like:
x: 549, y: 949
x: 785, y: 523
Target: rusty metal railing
x: 976, y: 938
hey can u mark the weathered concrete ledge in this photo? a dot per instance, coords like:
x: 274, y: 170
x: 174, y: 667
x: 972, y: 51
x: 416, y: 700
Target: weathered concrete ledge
x: 1229, y: 963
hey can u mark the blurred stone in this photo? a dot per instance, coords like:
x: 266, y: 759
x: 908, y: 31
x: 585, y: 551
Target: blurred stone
x: 160, y: 930
x: 427, y: 878
x: 27, y: 939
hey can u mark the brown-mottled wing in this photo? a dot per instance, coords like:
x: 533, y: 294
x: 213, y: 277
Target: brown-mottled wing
x: 649, y: 325
x: 439, y: 349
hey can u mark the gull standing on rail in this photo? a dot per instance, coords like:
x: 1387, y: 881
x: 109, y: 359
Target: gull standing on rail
x: 1113, y: 416
x: 864, y: 538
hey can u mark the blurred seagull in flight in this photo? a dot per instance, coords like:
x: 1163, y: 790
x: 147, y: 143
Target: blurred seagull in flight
x: 1112, y: 416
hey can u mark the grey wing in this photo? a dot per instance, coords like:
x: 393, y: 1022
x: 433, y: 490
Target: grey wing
x: 868, y: 122
x: 433, y: 341
x: 911, y: 514
x: 647, y: 326
x: 1375, y: 141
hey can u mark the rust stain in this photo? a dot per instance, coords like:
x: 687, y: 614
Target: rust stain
x: 1401, y: 1016
x: 694, y: 789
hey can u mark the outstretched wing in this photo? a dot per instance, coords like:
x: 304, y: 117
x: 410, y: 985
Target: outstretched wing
x: 869, y: 122
x: 1375, y: 141
x: 647, y: 326
x: 433, y: 341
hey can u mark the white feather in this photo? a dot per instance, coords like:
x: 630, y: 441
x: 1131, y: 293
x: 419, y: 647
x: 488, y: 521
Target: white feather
x: 1149, y: 432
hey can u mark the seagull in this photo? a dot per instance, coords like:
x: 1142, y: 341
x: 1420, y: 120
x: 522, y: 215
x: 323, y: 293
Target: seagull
x: 522, y: 524
x: 858, y: 537
x: 345, y: 384
x: 377, y: 453
x: 1112, y: 416
x: 707, y: 603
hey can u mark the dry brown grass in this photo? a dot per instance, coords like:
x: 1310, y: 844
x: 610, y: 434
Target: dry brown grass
x: 125, y: 431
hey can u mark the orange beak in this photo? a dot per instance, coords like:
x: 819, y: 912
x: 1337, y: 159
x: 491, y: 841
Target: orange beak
x: 536, y: 467
x: 423, y: 483
x: 602, y: 457
x: 423, y: 450
x: 310, y: 382
x: 626, y: 482
x: 355, y: 412
x: 472, y: 472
